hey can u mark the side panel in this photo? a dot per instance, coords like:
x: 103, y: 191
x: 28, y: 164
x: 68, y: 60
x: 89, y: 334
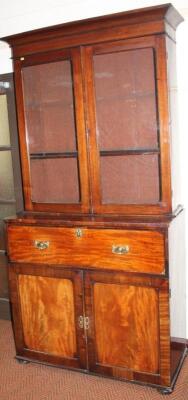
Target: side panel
x: 173, y: 109
x: 177, y: 273
x: 176, y: 237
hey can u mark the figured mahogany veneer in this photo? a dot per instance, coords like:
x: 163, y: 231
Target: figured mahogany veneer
x: 146, y: 251
x: 123, y: 313
x: 41, y: 300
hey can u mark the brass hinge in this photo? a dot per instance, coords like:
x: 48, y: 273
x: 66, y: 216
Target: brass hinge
x: 86, y: 323
x: 83, y: 322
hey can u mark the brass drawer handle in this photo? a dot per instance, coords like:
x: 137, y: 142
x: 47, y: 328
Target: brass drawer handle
x: 120, y: 249
x: 40, y: 245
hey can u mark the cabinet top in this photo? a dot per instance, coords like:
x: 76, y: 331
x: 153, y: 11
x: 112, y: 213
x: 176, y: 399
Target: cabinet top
x: 151, y: 20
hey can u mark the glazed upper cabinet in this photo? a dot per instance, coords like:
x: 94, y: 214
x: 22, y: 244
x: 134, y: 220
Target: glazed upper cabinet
x: 94, y: 117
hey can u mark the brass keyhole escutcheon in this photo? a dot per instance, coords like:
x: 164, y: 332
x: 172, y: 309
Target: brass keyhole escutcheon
x: 41, y: 245
x: 79, y: 233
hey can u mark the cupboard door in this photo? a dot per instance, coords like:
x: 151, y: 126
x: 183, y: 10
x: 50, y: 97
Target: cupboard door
x: 46, y: 307
x: 52, y: 119
x: 128, y: 335
x: 126, y: 127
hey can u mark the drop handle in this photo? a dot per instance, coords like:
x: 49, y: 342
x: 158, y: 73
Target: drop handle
x: 41, y: 245
x: 120, y: 249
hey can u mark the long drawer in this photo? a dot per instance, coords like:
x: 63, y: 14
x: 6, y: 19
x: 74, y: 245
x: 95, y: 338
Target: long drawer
x: 118, y: 249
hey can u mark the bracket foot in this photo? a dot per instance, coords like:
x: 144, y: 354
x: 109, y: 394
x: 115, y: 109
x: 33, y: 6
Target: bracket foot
x: 20, y: 361
x: 166, y: 390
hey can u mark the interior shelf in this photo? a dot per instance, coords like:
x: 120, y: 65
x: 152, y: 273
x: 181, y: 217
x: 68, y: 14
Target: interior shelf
x: 67, y: 154
x: 122, y: 152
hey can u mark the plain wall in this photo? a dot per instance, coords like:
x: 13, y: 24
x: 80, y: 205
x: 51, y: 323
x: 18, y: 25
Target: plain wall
x: 20, y: 16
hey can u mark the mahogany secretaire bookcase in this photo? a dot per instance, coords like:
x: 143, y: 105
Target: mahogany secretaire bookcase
x: 96, y: 258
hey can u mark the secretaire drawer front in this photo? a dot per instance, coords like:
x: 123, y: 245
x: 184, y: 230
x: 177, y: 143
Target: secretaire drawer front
x: 129, y: 250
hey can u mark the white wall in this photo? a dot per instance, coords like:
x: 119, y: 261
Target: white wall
x: 20, y: 15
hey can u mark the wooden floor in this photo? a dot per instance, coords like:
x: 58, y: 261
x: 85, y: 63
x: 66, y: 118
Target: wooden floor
x: 38, y: 382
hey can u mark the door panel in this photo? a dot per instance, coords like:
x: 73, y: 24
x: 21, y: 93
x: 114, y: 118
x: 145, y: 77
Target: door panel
x: 52, y: 131
x: 47, y: 305
x: 129, y: 333
x: 47, y: 308
x: 125, y: 125
x: 123, y: 314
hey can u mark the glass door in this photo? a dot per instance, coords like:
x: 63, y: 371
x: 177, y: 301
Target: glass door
x: 55, y: 179
x: 124, y: 125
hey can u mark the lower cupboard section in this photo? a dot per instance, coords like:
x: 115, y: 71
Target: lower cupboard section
x: 108, y: 323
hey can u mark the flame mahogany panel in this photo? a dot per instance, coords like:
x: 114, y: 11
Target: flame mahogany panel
x: 46, y: 304
x: 124, y: 315
x: 129, y: 335
x: 47, y: 308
